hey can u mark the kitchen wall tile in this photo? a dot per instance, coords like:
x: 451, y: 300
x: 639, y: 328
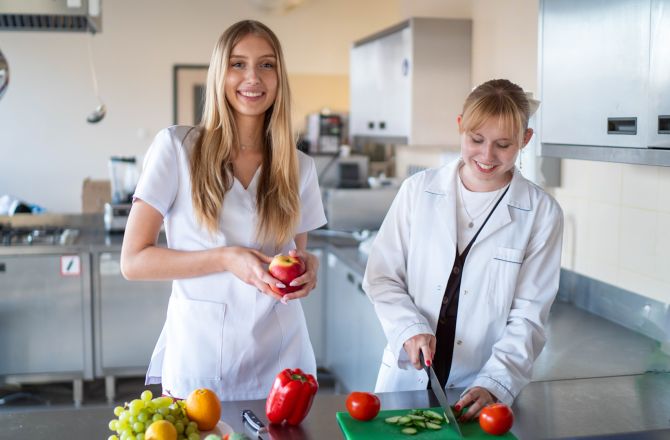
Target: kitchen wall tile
x: 574, y: 177
x: 603, y: 232
x: 651, y: 287
x: 640, y: 186
x: 638, y: 241
x: 605, y: 182
x: 662, y: 266
x: 664, y: 189
x: 575, y: 233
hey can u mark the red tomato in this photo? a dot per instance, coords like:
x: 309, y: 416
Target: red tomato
x: 496, y: 418
x: 363, y: 406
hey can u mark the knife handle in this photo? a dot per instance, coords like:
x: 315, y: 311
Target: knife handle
x: 253, y: 421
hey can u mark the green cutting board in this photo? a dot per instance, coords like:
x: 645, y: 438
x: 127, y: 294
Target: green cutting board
x: 377, y: 428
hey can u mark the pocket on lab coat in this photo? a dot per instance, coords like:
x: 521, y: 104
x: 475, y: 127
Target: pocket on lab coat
x: 194, y: 338
x: 503, y: 277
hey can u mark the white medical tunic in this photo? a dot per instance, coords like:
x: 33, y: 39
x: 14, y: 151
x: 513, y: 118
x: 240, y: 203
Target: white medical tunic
x: 221, y: 333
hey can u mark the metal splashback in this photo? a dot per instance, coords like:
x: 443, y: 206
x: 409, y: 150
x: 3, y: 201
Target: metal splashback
x: 51, y: 15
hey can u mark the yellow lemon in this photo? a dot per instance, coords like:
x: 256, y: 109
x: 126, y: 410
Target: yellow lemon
x: 161, y: 430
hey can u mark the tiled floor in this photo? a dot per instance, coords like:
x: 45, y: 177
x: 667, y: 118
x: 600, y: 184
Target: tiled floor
x: 59, y: 394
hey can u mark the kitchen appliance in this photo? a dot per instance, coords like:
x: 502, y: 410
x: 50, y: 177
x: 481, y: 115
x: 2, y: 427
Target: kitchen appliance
x: 325, y: 132
x: 51, y: 15
x: 357, y: 209
x: 340, y: 171
x: 123, y: 175
x: 37, y: 235
x: 436, y: 387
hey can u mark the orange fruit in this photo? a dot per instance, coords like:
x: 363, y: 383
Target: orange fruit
x: 161, y: 430
x: 204, y: 408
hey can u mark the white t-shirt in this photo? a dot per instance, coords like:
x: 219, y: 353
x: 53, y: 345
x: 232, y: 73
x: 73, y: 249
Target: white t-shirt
x: 221, y: 333
x: 477, y: 208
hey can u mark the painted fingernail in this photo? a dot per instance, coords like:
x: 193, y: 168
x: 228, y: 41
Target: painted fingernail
x: 428, y: 362
x: 281, y: 285
x: 293, y: 284
x: 457, y: 407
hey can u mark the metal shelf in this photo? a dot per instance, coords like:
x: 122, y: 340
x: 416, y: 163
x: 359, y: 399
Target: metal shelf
x: 637, y: 156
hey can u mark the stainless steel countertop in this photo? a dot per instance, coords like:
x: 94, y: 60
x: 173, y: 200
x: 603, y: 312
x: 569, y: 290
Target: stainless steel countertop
x: 554, y: 409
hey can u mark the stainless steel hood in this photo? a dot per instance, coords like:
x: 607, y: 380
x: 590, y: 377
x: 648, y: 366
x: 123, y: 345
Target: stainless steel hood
x: 51, y: 15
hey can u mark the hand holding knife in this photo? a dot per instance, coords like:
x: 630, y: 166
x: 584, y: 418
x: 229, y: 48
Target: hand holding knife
x: 439, y: 393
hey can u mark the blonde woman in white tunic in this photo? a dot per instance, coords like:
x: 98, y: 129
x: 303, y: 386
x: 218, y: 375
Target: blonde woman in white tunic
x: 230, y: 192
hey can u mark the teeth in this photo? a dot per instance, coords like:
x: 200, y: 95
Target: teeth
x: 486, y: 167
x: 251, y: 94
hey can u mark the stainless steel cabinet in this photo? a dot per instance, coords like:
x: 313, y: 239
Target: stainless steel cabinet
x: 45, y: 317
x: 659, y: 75
x: 129, y: 316
x: 410, y: 80
x: 355, y: 340
x: 594, y: 67
x: 314, y: 307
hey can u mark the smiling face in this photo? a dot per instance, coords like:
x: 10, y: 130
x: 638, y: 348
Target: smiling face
x: 251, y: 77
x: 489, y: 153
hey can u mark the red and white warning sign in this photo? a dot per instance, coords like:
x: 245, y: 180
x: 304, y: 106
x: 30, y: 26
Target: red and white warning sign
x: 70, y: 265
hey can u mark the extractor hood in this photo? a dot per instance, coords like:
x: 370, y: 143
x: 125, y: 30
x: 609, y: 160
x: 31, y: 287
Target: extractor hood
x: 51, y: 15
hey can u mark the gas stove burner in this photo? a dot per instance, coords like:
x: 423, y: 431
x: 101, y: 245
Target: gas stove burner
x: 37, y: 235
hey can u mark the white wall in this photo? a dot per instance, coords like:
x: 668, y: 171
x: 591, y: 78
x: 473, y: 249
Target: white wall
x: 46, y: 146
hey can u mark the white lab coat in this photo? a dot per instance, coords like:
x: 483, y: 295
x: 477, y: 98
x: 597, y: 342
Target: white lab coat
x: 508, y: 283
x: 221, y: 333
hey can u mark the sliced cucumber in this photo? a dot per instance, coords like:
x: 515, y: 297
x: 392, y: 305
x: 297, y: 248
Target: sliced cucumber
x: 416, y: 417
x: 404, y: 420
x: 420, y: 424
x: 409, y: 431
x: 431, y: 425
x: 392, y: 420
x: 433, y: 415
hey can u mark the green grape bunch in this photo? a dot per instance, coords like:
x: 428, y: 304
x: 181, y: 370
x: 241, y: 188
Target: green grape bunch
x: 135, y: 417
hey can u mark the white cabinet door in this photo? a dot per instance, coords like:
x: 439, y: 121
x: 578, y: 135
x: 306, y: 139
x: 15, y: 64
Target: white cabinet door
x: 314, y: 306
x: 394, y: 81
x: 659, y: 75
x: 595, y: 60
x: 365, y: 89
x: 355, y: 340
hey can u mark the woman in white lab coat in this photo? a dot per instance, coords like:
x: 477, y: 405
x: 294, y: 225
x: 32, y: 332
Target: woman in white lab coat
x: 466, y: 264
x: 230, y: 192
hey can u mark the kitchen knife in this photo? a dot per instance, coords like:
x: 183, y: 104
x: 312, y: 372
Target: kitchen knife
x: 441, y: 397
x: 254, y: 423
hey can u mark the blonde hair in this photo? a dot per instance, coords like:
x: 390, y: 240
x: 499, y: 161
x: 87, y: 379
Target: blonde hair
x: 277, y: 196
x: 498, y: 98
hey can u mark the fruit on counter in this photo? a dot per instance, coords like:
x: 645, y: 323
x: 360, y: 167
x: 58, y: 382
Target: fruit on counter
x: 496, y: 418
x: 417, y: 420
x: 363, y: 406
x: 286, y: 268
x: 214, y: 437
x: 136, y: 418
x: 235, y: 436
x: 161, y: 430
x: 291, y: 397
x: 204, y: 408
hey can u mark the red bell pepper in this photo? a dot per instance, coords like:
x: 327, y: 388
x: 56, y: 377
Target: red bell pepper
x: 291, y: 397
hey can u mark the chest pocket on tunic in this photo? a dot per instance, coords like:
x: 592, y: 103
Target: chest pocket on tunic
x: 504, y: 271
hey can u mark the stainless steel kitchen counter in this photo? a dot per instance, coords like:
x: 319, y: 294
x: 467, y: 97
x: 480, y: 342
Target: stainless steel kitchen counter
x: 636, y: 405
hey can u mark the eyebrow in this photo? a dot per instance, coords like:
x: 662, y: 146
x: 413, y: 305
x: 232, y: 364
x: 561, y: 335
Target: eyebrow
x: 496, y: 140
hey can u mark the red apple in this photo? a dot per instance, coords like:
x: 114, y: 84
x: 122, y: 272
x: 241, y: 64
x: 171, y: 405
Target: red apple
x: 286, y: 268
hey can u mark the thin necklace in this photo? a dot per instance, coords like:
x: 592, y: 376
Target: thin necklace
x: 472, y: 218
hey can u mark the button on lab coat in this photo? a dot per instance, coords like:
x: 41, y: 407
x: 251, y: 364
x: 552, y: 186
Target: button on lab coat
x: 510, y: 280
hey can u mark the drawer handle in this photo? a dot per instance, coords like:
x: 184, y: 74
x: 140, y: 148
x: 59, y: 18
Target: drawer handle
x: 351, y: 279
x: 371, y: 125
x: 621, y: 125
x: 382, y: 125
x: 664, y: 124
x: 2, y: 267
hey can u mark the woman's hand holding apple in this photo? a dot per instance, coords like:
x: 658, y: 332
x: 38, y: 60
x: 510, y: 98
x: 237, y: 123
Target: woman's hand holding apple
x: 249, y: 265
x: 297, y: 286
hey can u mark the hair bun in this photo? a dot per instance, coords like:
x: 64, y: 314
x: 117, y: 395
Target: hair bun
x: 533, y: 104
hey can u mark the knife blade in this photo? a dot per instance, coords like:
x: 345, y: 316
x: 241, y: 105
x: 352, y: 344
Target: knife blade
x: 441, y: 397
x: 252, y: 420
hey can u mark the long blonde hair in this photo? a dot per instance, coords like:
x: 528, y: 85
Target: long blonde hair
x: 277, y: 197
x: 499, y: 98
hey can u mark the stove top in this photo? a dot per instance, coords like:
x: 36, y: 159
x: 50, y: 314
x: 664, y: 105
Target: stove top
x: 37, y: 235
